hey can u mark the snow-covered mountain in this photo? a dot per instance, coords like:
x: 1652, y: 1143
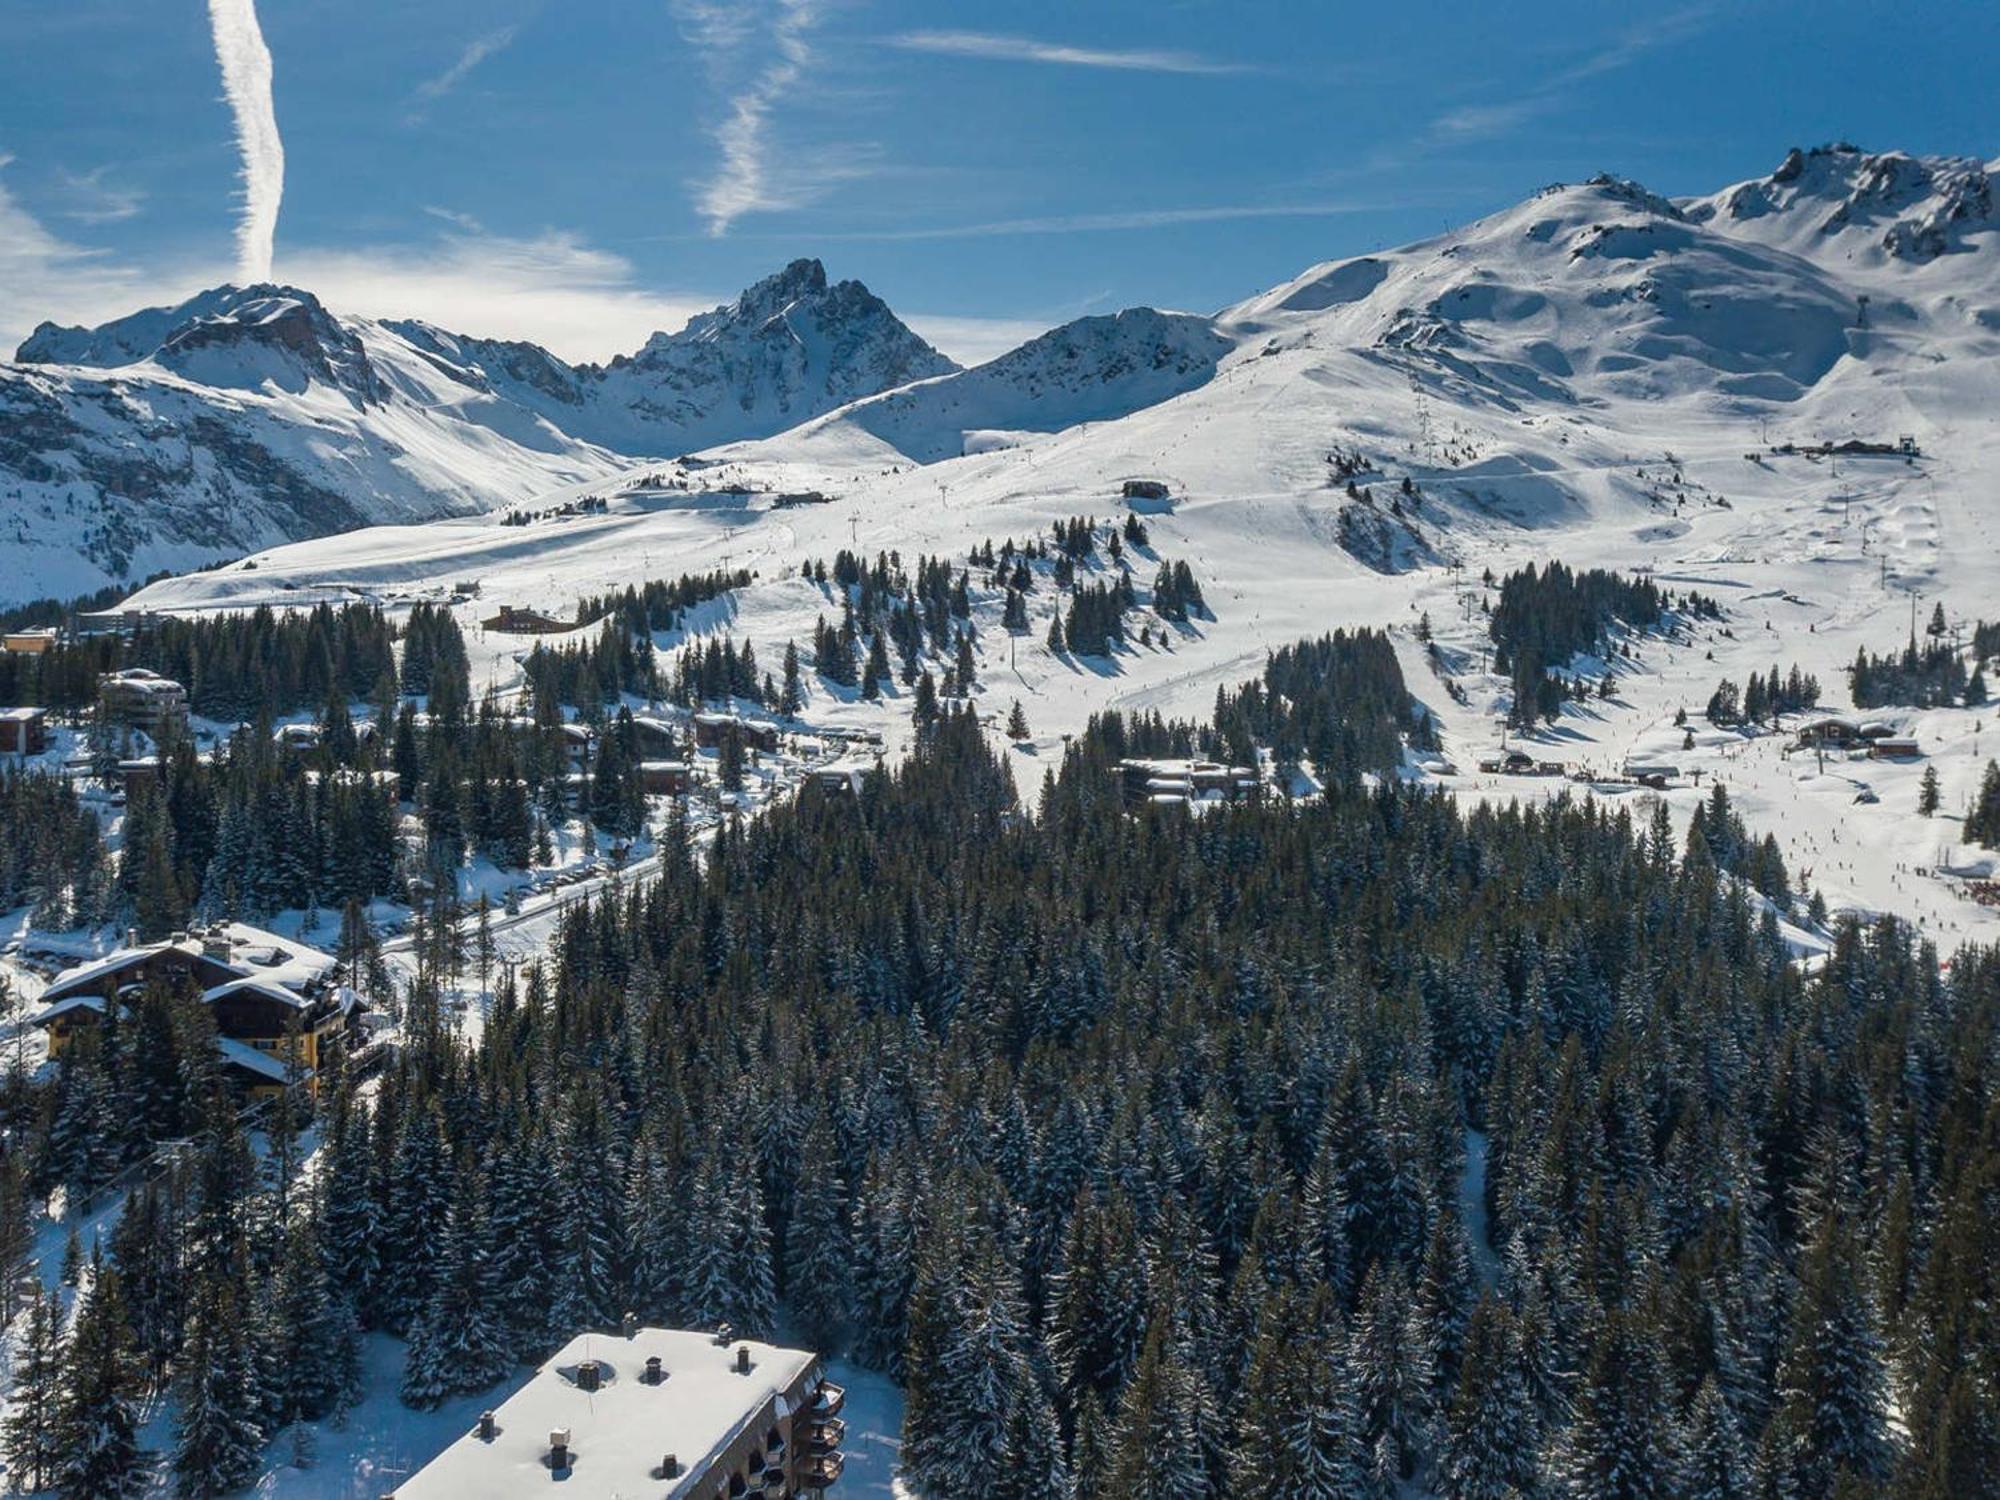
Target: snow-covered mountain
x: 1598, y: 373
x: 248, y: 416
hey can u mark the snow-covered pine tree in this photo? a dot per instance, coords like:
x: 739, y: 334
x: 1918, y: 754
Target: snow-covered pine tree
x: 1621, y: 1442
x: 458, y: 1343
x: 819, y: 1264
x: 1490, y: 1432
x: 1157, y: 1450
x: 97, y: 1411
x: 218, y: 1439
x: 965, y: 1370
x: 1831, y: 1419
x: 28, y: 1437
x: 1716, y: 1465
x: 1392, y: 1370
x: 317, y: 1363
x: 1033, y: 1464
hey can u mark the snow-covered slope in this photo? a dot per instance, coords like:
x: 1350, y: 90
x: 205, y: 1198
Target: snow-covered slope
x: 1597, y: 374
x: 1092, y: 370
x: 250, y: 416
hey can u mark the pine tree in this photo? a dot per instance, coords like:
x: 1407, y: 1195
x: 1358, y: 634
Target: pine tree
x: 29, y: 1435
x: 458, y: 1342
x: 1929, y: 795
x: 819, y: 1269
x: 219, y: 1442
x: 1830, y: 1420
x: 1716, y: 1466
x: 1620, y: 1445
x: 1490, y: 1436
x: 1017, y: 722
x: 1157, y: 1451
x: 97, y: 1412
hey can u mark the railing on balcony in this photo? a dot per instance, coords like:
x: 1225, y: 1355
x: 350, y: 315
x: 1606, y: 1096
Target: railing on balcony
x: 822, y: 1469
x: 827, y: 1401
x: 825, y: 1434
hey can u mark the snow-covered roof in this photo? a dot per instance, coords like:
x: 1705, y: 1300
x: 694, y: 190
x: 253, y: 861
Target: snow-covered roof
x: 620, y: 1432
x: 276, y: 993
x: 64, y: 1007
x: 253, y: 954
x: 251, y: 1060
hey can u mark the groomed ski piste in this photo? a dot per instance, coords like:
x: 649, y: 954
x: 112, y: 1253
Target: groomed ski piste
x: 1597, y: 376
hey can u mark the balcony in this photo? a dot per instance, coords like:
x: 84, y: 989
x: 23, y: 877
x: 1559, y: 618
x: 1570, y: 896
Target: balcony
x: 822, y: 1469
x: 825, y: 1434
x: 827, y: 1401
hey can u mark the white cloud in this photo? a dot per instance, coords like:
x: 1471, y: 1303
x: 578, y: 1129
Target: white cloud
x: 89, y: 198
x: 757, y: 56
x: 1483, y: 121
x: 554, y: 289
x: 973, y: 341
x: 1145, y: 218
x: 246, y: 81
x: 475, y: 53
x: 999, y: 48
x: 43, y: 276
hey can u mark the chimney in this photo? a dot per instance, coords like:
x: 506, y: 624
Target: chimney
x: 670, y: 1467
x: 654, y: 1374
x: 559, y: 1449
x: 631, y: 1325
x: 742, y: 1359
x: 131, y: 937
x: 588, y: 1376
x: 722, y: 1335
x: 486, y: 1427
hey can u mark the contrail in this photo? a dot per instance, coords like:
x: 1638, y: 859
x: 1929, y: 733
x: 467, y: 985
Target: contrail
x: 246, y: 81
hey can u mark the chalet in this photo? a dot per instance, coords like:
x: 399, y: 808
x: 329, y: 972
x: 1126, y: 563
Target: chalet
x: 143, y: 700
x: 709, y: 729
x: 1830, y: 733
x: 1895, y: 747
x: 658, y: 739
x: 1184, y: 781
x: 140, y: 771
x: 576, y: 745
x: 24, y: 731
x: 27, y: 642
x: 664, y: 778
x: 654, y: 1412
x: 1144, y: 489
x: 277, y: 1012
x: 513, y: 620
x: 296, y: 739
x: 843, y: 778
x: 1655, y: 774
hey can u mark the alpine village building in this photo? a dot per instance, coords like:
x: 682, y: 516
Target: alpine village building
x: 662, y: 1413
x: 279, y: 1016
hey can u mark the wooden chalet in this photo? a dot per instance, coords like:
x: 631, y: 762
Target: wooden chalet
x: 278, y: 1015
x: 24, y: 731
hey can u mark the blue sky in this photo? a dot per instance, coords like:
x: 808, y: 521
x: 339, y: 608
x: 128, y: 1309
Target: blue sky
x: 582, y: 171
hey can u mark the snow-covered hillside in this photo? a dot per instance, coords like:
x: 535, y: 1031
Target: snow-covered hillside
x: 1597, y: 374
x: 250, y: 416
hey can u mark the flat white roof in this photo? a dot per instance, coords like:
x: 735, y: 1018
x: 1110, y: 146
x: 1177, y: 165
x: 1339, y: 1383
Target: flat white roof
x: 621, y: 1431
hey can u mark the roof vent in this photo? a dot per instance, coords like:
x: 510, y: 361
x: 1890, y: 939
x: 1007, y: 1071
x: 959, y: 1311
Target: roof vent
x: 670, y: 1467
x: 654, y: 1375
x: 559, y: 1449
x: 742, y: 1359
x: 723, y: 1334
x: 589, y: 1375
x: 487, y: 1427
